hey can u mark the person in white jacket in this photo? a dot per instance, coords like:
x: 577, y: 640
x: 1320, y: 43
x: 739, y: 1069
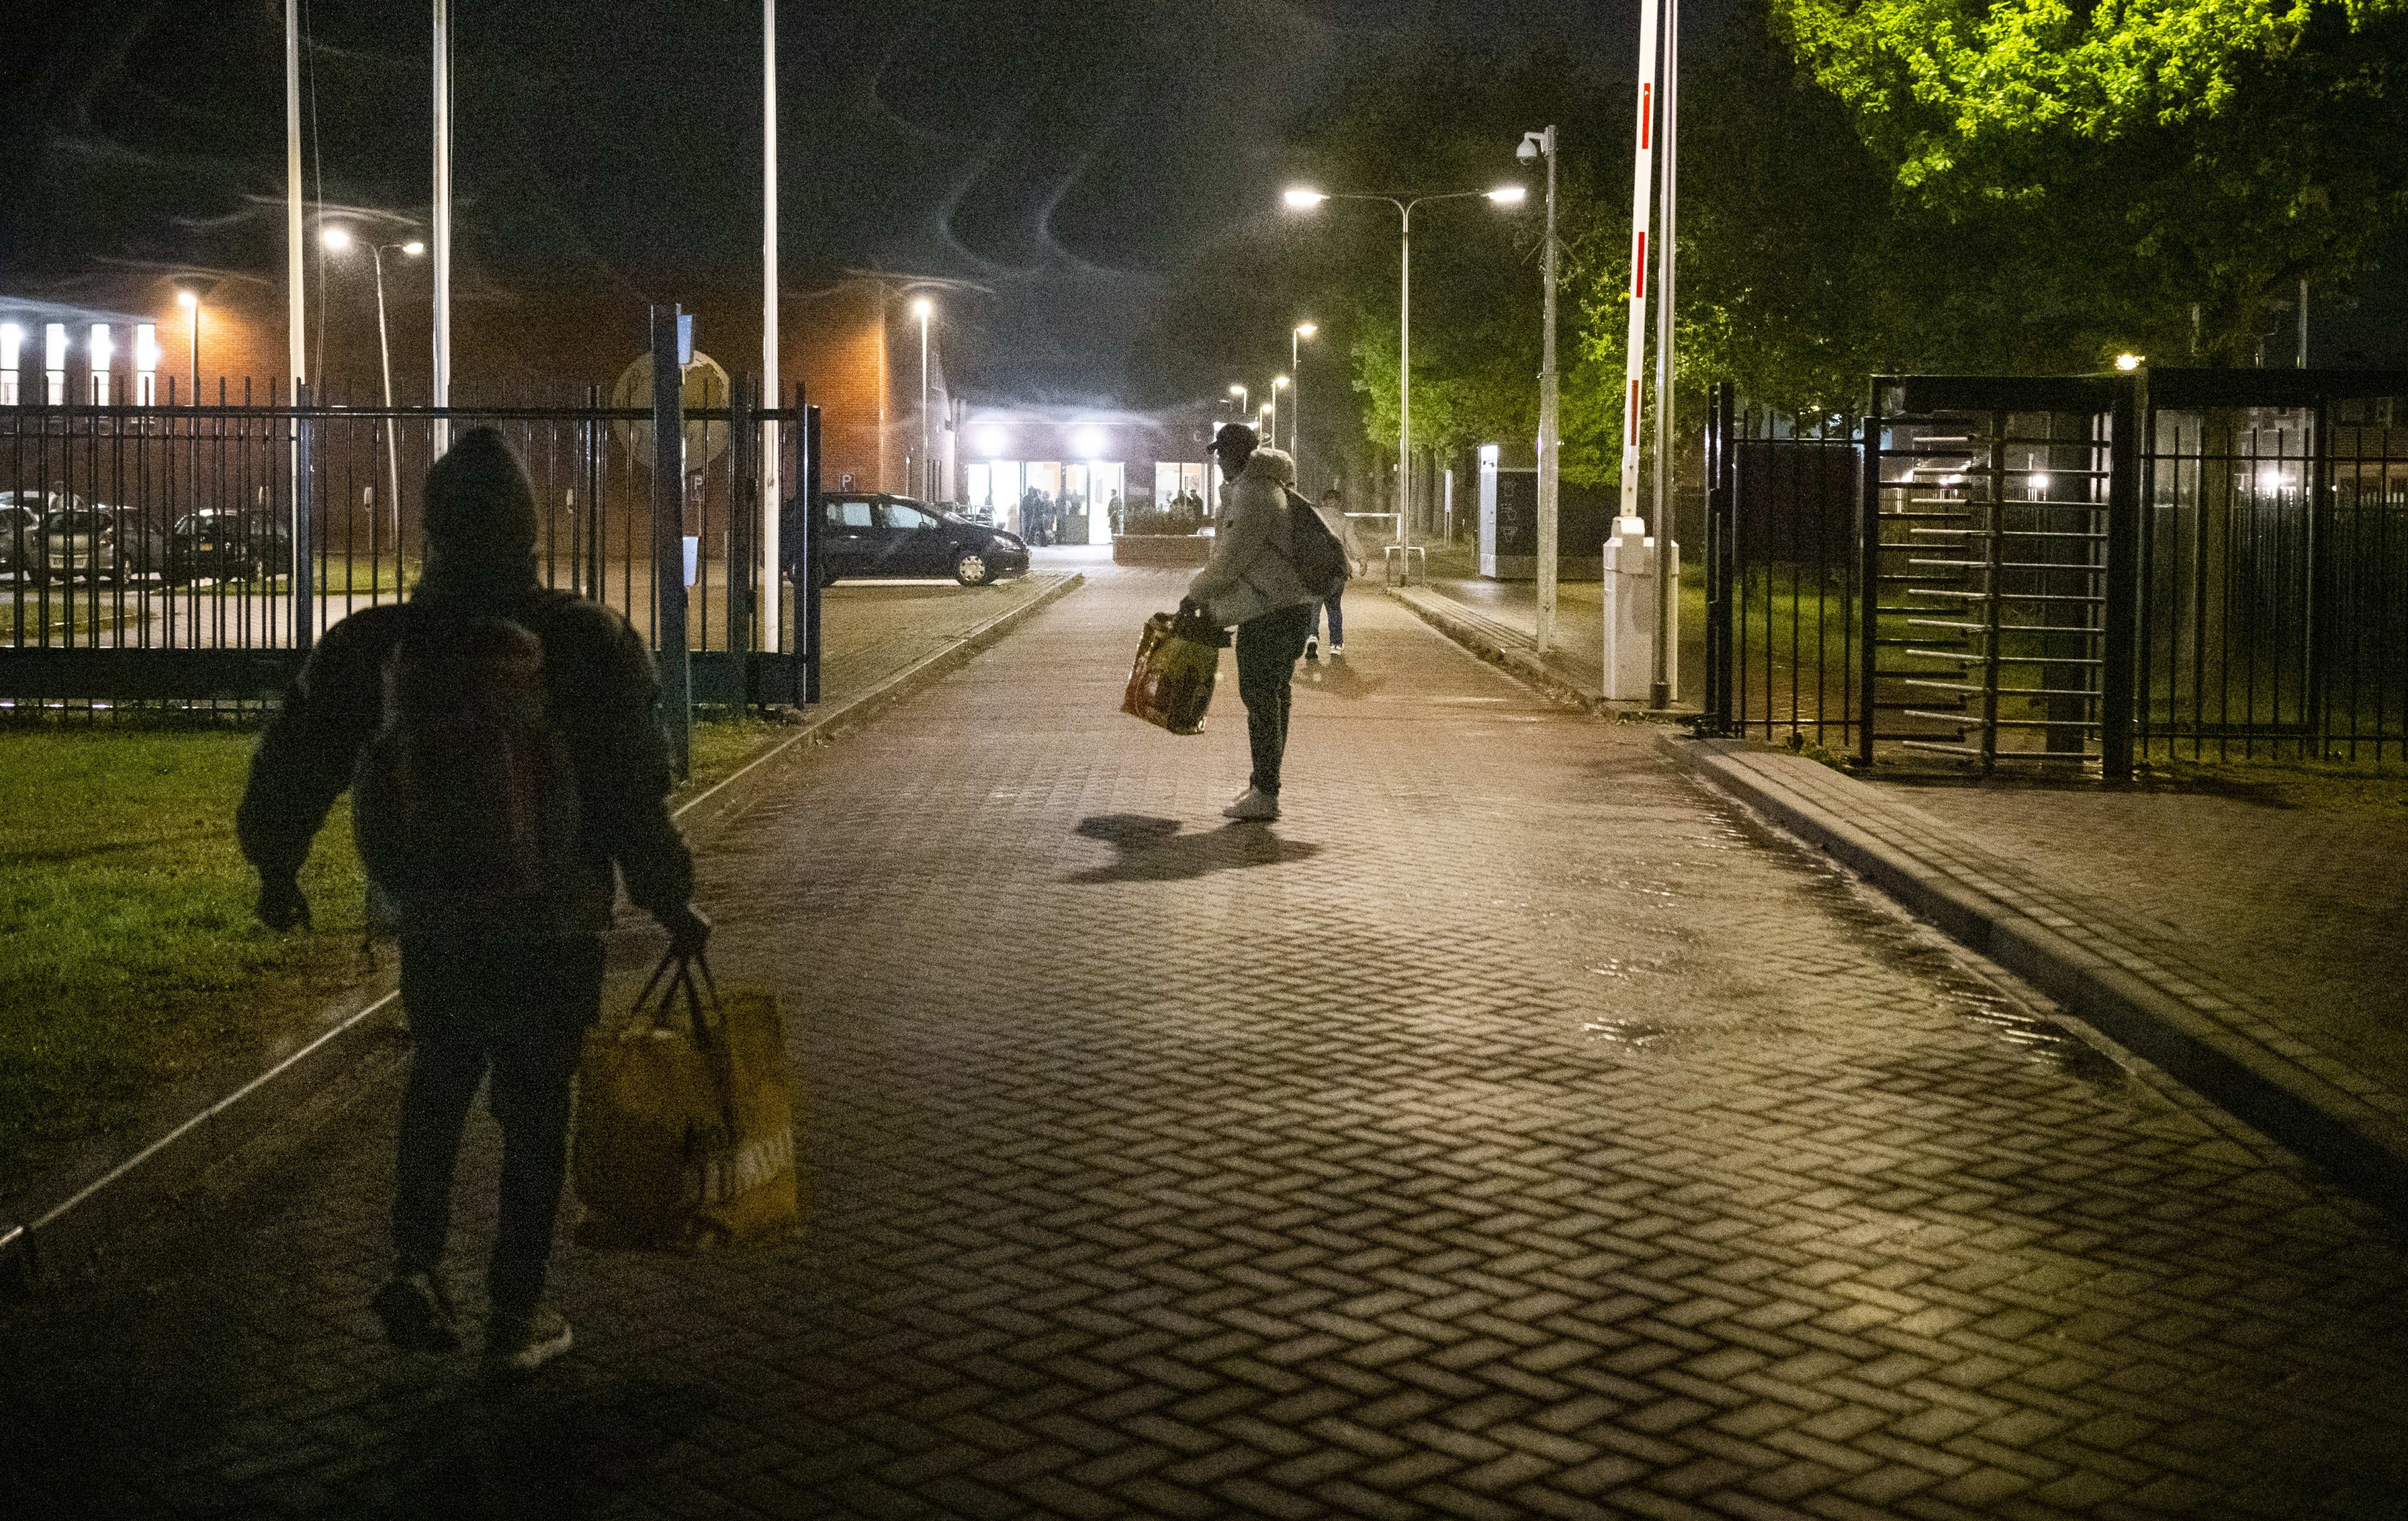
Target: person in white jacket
x: 1250, y: 584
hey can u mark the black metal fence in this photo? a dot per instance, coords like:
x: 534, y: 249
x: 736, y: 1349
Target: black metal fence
x: 191, y: 554
x: 2202, y: 565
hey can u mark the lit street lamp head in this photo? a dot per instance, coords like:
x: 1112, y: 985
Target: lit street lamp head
x: 187, y: 300
x: 1508, y: 194
x: 336, y: 238
x: 414, y: 248
x: 1301, y: 199
x: 921, y: 307
x: 1306, y: 330
x: 1278, y: 382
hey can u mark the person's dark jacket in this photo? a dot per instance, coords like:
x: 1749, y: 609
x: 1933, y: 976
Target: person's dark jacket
x: 599, y: 690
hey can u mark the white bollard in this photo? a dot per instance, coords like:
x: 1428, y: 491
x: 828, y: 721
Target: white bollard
x: 1630, y: 612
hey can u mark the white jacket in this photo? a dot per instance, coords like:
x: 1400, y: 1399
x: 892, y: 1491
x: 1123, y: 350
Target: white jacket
x: 1249, y: 574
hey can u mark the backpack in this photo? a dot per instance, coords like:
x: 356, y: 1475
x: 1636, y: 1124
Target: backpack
x: 1319, y: 559
x: 468, y: 790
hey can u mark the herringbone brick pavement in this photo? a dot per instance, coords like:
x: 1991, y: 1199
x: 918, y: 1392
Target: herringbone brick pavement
x: 1513, y: 1130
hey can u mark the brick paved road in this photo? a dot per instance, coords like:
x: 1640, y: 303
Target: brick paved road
x: 1510, y: 1132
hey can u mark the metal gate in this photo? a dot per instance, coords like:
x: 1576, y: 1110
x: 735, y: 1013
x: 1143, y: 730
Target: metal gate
x: 191, y: 554
x: 2009, y: 571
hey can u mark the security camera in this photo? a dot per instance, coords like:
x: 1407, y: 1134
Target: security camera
x: 1533, y: 144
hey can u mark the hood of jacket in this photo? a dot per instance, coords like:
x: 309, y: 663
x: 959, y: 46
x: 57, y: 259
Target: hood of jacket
x: 1275, y: 466
x: 481, y: 522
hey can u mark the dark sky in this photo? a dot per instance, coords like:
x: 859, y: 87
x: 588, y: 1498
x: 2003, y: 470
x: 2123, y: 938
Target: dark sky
x: 1100, y: 167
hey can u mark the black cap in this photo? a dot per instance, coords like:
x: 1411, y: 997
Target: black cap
x: 1234, y: 436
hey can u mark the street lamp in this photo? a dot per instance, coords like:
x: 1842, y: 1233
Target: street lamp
x: 1296, y: 404
x: 923, y: 308
x: 1304, y: 198
x: 1542, y: 145
x: 1279, y: 383
x: 1239, y: 392
x: 339, y: 239
x: 191, y: 302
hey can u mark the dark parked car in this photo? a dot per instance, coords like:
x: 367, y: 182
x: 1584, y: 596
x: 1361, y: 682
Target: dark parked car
x: 94, y: 541
x: 871, y: 534
x: 212, y: 545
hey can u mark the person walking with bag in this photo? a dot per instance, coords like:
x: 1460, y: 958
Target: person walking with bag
x: 1331, y: 511
x: 500, y: 743
x: 1250, y: 584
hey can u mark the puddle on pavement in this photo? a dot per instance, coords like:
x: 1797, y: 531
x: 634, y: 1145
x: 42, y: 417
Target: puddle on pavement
x: 1918, y: 950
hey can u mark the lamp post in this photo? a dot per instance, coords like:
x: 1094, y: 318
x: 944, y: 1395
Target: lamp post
x: 1279, y: 383
x: 191, y: 302
x: 1239, y: 392
x: 922, y: 309
x: 1303, y: 198
x: 1542, y: 145
x: 1295, y: 402
x: 338, y: 239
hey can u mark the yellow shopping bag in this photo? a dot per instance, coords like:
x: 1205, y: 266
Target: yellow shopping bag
x: 1178, y: 662
x: 685, y: 1133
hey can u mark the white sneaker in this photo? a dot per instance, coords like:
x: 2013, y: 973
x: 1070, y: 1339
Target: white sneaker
x: 524, y: 1346
x: 1253, y: 804
x: 1336, y: 649
x: 1313, y: 649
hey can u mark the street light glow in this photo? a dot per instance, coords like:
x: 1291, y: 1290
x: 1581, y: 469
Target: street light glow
x: 1508, y: 194
x: 1237, y: 390
x: 921, y: 308
x: 1301, y: 199
x: 414, y: 248
x: 187, y: 300
x: 336, y: 239
x: 1278, y: 382
x: 1306, y: 330
x: 2127, y: 360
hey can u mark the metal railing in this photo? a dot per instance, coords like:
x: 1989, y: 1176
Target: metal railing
x: 193, y: 553
x: 2099, y: 569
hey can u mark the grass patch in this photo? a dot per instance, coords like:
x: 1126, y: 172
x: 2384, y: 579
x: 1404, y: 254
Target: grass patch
x: 2286, y: 783
x: 125, y: 923
x: 125, y: 919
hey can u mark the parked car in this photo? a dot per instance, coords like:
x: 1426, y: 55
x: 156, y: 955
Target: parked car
x: 95, y: 541
x: 872, y: 534
x: 23, y: 513
x: 20, y: 539
x: 215, y: 545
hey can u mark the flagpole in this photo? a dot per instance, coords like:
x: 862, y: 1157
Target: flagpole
x: 1641, y: 181
x: 771, y: 622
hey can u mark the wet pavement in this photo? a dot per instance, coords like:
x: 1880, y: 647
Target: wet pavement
x: 1512, y: 1130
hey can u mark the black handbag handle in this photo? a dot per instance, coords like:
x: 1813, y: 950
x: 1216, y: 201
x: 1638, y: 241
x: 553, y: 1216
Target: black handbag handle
x: 679, y: 972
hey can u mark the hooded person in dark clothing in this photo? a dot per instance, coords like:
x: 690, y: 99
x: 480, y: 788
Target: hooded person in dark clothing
x: 500, y: 921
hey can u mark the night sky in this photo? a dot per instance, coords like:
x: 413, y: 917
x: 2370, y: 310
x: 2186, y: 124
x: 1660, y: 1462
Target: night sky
x: 1105, y: 172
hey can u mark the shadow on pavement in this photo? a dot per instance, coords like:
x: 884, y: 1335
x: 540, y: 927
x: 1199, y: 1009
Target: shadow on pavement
x: 1152, y: 850
x: 1336, y: 678
x: 533, y: 1452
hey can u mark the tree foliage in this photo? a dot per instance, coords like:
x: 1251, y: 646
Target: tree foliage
x: 2162, y: 152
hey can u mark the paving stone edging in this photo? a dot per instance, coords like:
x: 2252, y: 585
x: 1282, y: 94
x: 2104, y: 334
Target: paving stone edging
x: 1500, y: 645
x: 2177, y: 1027
x: 74, y: 1237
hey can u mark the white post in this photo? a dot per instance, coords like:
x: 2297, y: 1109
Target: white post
x: 1548, y: 518
x: 294, y: 318
x: 442, y: 384
x: 1659, y: 693
x: 2303, y: 323
x: 1642, y: 175
x: 923, y: 493
x: 1405, y: 371
x: 772, y: 629
x: 385, y: 360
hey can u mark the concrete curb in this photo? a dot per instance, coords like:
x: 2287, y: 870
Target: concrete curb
x: 1508, y: 649
x: 2364, y: 1150
x: 72, y: 1240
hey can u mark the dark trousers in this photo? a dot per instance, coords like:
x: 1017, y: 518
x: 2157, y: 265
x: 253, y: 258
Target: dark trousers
x: 516, y: 1012
x: 1336, y: 616
x: 1268, y: 648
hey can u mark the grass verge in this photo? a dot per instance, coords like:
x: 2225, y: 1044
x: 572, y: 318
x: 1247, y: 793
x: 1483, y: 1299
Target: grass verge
x: 125, y: 924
